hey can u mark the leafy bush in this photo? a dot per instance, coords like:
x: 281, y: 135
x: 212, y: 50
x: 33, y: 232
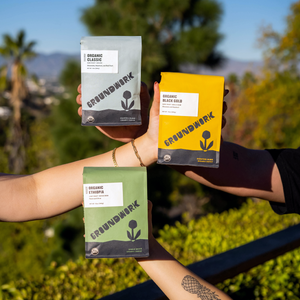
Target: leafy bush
x: 199, y: 239
x: 24, y: 248
x: 216, y: 233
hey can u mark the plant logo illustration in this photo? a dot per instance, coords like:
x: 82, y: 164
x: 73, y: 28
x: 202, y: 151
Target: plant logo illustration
x: 206, y: 136
x: 133, y: 224
x: 127, y: 95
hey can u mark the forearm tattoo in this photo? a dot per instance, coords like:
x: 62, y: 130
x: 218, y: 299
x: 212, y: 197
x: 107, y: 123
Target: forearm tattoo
x: 193, y: 286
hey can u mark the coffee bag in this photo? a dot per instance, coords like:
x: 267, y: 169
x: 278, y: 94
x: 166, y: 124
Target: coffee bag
x: 115, y: 212
x: 190, y: 119
x: 111, y: 80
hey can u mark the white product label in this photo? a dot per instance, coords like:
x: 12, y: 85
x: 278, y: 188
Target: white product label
x: 99, y: 61
x: 179, y: 104
x: 103, y: 194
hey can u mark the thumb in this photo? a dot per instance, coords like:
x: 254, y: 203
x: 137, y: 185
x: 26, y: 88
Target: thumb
x: 156, y: 101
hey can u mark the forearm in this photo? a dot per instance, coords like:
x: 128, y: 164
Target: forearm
x: 173, y: 278
x: 59, y: 189
x: 242, y: 172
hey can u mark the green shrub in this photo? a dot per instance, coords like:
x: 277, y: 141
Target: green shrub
x: 24, y: 248
x: 199, y: 239
x: 216, y: 233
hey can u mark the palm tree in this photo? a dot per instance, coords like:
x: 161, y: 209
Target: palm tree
x: 16, y: 50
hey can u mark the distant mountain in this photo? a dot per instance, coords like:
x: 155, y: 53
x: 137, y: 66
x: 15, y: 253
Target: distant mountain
x: 230, y: 66
x: 47, y: 65
x: 50, y: 66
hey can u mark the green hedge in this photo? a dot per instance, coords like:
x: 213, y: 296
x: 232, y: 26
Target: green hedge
x: 199, y: 239
x: 216, y: 233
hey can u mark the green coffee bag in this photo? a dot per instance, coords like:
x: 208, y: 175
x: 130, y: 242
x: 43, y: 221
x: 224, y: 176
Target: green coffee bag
x: 115, y: 212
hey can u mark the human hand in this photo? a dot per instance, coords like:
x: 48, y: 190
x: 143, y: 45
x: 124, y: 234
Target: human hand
x: 152, y: 132
x: 224, y: 111
x: 125, y: 133
x: 226, y: 92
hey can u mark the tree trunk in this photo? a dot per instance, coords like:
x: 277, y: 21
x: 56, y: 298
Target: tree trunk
x: 15, y: 144
x: 18, y: 92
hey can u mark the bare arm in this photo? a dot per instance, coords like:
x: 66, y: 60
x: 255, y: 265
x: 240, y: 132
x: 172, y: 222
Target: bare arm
x: 242, y: 172
x: 59, y: 189
x: 175, y: 280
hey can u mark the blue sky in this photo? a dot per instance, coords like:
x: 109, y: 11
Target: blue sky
x: 56, y: 26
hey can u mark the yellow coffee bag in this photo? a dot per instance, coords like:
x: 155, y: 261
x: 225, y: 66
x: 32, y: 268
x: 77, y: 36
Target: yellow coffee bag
x: 190, y: 119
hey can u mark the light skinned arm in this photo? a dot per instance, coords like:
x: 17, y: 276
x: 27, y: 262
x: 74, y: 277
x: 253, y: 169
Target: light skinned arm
x: 59, y: 189
x: 174, y: 279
